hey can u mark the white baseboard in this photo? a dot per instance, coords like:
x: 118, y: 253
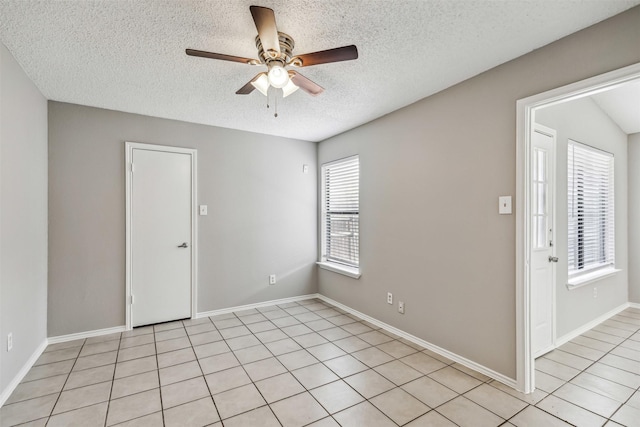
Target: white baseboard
x: 586, y: 327
x: 634, y: 305
x: 452, y: 356
x: 22, y: 372
x: 256, y: 305
x: 87, y: 334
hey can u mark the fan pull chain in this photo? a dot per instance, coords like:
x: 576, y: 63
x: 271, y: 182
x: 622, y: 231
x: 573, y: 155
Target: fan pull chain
x: 276, y: 102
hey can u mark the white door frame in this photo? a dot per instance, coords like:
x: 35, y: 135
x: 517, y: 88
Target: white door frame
x: 552, y: 173
x: 524, y: 117
x: 193, y: 153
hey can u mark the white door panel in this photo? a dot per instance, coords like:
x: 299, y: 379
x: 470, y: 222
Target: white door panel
x: 542, y: 268
x: 160, y: 223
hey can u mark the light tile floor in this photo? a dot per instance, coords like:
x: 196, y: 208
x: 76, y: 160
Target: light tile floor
x: 308, y: 363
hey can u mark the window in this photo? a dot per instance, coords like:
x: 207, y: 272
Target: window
x: 340, y: 215
x: 590, y: 194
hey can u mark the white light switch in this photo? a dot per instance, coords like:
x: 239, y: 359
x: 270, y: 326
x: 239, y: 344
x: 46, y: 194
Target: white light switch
x: 203, y: 209
x: 305, y: 168
x: 504, y: 205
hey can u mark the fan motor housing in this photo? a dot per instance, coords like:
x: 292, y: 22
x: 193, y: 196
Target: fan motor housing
x: 286, y: 49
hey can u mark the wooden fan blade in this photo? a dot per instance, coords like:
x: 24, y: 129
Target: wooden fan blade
x: 338, y: 54
x: 248, y: 88
x: 211, y: 55
x: 305, y: 84
x: 265, y: 21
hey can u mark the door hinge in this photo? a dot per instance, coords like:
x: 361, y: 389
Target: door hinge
x: 131, y: 300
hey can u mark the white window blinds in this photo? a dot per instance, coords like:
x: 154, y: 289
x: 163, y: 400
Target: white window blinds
x: 341, y: 206
x: 590, y: 194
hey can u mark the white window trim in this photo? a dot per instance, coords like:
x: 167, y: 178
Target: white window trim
x: 591, y: 277
x: 340, y: 269
x: 349, y: 271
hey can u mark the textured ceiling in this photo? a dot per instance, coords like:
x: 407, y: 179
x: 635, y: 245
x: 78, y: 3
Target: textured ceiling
x: 128, y: 55
x: 622, y: 105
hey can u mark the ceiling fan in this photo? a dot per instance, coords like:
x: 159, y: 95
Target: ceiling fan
x: 275, y: 50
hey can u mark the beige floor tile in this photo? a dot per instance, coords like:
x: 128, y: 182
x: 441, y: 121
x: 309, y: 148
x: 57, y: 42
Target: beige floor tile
x: 299, y: 410
x: 271, y: 336
x: 307, y: 317
x: 336, y: 396
x: 238, y: 400
x: 430, y: 392
x: 276, y: 314
x: 325, y: 422
x: 83, y: 396
x: 363, y: 414
x: 279, y: 387
x: 171, y: 334
x: 327, y: 313
x: 134, y: 406
x: 431, y: 419
x: 200, y: 328
x: 310, y: 340
x: 227, y: 379
x: 262, y: 417
x: 466, y: 413
x: 103, y: 338
x: 399, y: 405
x: 556, y: 369
x: 422, y: 363
x: 94, y: 361
x: 612, y: 331
x: 320, y: 325
x: 314, y: 376
x: 433, y: 354
x: 568, y: 359
x: 136, y: 352
x: 136, y: 366
x: 627, y: 416
x: 176, y: 357
x: 634, y: 400
x: 183, y: 392
x: 582, y: 351
x: 252, y: 354
x: 57, y: 356
x: 596, y: 335
x: 341, y: 320
x: 135, y: 332
x: 285, y: 321
x: 236, y: 331
x: 325, y: 351
x: 531, y: 398
x: 211, y: 349
x: 547, y: 383
x: 346, y: 365
x: 397, y: 349
x: 475, y: 374
x: 239, y: 343
x: 167, y: 326
x: 297, y: 359
x: 64, y: 345
x: 593, y: 343
x: 372, y: 356
x: 375, y: 337
x: 295, y: 330
x: 614, y: 374
x: 90, y: 416
x: 633, y: 328
x: 101, y: 347
x: 334, y: 334
x: 177, y: 373
x: 295, y: 310
x: 261, y: 326
x: 27, y: 410
x: 205, y: 338
x: 134, y: 384
x: 397, y: 372
x: 218, y: 363
x: 594, y: 402
x: 496, y: 401
x: 627, y: 353
x: 136, y: 341
x: 603, y: 386
x: 172, y: 345
x: 357, y: 328
x: 193, y: 414
x: 200, y: 321
x: 264, y: 369
x: 369, y: 383
x: 227, y: 323
x: 351, y: 344
x: 49, y: 370
x: 534, y: 417
x: 570, y: 412
x: 37, y: 388
x: 633, y: 345
x: 252, y: 318
x: 222, y: 317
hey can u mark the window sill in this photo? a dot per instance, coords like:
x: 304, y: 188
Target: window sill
x: 340, y: 269
x: 586, y: 279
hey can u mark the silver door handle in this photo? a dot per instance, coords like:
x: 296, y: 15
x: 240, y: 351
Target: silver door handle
x: 553, y: 258
x: 184, y: 245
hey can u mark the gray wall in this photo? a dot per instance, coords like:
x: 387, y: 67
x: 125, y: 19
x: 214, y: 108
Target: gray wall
x: 23, y: 220
x: 431, y: 174
x: 634, y: 218
x: 262, y: 214
x: 583, y: 121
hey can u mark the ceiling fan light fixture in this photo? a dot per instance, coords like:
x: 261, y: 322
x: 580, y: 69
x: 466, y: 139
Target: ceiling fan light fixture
x: 278, y: 76
x: 262, y: 84
x: 289, y: 88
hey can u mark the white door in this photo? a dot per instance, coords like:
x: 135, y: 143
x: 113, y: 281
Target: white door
x: 542, y: 250
x: 160, y: 236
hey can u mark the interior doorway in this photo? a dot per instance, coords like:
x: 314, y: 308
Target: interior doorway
x: 525, y: 297
x: 160, y: 223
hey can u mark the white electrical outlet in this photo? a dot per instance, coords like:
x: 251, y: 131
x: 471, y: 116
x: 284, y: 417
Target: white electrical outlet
x: 9, y: 342
x: 305, y: 168
x: 272, y: 279
x: 400, y: 307
x: 389, y: 298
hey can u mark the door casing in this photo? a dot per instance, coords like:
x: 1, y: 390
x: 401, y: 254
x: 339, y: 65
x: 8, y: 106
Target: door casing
x: 193, y: 153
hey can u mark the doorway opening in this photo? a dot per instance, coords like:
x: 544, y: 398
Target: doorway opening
x: 526, y: 123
